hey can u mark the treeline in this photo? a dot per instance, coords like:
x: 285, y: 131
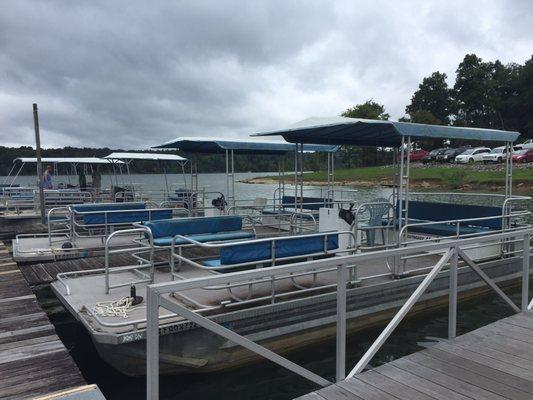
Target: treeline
x: 206, y: 163
x: 485, y: 95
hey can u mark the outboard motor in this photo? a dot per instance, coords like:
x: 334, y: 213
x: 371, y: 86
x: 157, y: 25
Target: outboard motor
x: 347, y: 215
x: 220, y: 203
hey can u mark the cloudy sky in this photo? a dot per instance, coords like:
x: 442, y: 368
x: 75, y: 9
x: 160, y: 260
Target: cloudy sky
x: 131, y: 74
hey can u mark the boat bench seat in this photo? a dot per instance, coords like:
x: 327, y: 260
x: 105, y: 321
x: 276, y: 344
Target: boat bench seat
x: 308, y: 216
x: 442, y: 229
x: 312, y: 204
x: 422, y: 211
x: 117, y: 213
x: 201, y: 229
x: 262, y: 251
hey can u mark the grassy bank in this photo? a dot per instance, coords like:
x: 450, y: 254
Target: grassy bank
x: 445, y: 176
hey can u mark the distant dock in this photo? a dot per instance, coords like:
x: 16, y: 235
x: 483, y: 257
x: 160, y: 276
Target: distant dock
x: 34, y: 363
x: 492, y: 362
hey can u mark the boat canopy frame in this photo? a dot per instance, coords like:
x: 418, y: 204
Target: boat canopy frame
x: 72, y: 161
x: 396, y: 135
x: 230, y: 147
x: 128, y: 157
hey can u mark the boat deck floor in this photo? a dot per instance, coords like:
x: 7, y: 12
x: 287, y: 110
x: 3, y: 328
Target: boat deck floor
x: 86, y: 291
x: 38, y: 247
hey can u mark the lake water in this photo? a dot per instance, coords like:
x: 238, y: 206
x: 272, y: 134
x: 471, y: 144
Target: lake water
x: 264, y: 380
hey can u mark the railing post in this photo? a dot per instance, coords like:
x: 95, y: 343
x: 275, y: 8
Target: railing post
x: 340, y: 363
x: 452, y: 302
x: 152, y: 344
x: 525, y: 273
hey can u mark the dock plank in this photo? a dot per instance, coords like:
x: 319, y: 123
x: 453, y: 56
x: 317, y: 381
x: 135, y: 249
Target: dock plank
x: 33, y: 360
x: 494, y: 362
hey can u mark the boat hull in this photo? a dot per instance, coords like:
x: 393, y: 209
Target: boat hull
x: 288, y: 326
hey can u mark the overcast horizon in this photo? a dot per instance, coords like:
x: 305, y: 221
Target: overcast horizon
x: 133, y: 74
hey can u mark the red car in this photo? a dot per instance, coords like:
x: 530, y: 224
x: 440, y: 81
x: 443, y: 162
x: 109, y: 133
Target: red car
x: 523, y: 155
x: 417, y: 155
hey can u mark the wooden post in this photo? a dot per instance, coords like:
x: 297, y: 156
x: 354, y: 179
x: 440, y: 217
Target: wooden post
x: 39, y: 163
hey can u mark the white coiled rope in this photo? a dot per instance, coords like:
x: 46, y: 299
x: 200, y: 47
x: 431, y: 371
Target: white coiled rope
x: 117, y: 308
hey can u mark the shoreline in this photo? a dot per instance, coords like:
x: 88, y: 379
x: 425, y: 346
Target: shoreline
x: 521, y: 187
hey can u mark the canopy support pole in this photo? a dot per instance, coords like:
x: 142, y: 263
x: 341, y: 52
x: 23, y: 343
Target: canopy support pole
x: 331, y: 174
x: 296, y: 177
x: 301, y: 173
x: 232, y: 179
x: 508, y: 169
x: 166, y: 181
x: 16, y: 176
x: 403, y: 195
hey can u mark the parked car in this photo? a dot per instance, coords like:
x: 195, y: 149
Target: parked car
x: 432, y: 156
x: 450, y: 154
x: 498, y: 154
x: 527, y: 144
x: 416, y: 155
x: 472, y: 155
x: 523, y: 155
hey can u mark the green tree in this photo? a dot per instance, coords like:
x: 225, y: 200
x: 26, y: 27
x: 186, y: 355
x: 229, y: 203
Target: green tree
x: 432, y: 103
x: 353, y: 156
x: 368, y: 110
x: 474, y: 94
x: 520, y: 106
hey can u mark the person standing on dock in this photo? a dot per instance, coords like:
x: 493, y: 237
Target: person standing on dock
x: 47, y: 178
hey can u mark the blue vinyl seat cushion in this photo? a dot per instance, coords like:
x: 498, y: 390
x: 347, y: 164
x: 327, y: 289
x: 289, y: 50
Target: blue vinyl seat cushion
x: 202, y: 229
x: 262, y: 251
x: 433, y: 211
x: 126, y: 216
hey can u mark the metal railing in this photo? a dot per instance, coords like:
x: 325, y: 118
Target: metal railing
x: 143, y: 262
x: 266, y: 262
x: 451, y: 250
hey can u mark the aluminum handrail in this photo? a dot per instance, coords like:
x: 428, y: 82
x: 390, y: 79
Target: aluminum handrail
x: 450, y: 247
x: 272, y: 240
x: 458, y: 222
x: 141, y: 248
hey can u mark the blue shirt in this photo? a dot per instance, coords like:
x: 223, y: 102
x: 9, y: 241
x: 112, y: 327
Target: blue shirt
x: 47, y: 180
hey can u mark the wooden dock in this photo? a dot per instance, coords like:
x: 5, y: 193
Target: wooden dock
x: 33, y: 360
x: 492, y: 362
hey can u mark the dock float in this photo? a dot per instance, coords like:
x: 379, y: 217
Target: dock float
x: 33, y: 360
x: 492, y: 362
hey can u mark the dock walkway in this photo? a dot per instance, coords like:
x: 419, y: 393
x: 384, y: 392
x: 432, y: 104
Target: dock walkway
x: 492, y: 362
x: 33, y: 360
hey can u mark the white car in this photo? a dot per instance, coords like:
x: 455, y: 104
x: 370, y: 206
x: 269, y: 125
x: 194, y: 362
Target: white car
x: 498, y: 154
x: 528, y: 144
x: 472, y: 155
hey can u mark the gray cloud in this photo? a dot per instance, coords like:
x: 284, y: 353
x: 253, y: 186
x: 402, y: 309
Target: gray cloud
x: 131, y: 74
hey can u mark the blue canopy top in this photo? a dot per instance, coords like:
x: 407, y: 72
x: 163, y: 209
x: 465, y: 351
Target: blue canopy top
x: 248, y: 146
x: 369, y: 132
